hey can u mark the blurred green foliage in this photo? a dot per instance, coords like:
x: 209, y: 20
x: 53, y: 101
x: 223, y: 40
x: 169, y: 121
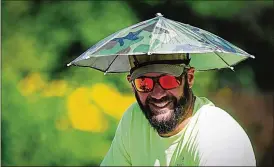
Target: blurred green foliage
x: 226, y: 9
x: 34, y: 37
x: 36, y: 129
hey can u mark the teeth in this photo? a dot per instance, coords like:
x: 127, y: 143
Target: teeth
x: 162, y: 104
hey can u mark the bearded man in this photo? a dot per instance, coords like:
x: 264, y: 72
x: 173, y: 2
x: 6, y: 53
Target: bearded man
x: 170, y: 126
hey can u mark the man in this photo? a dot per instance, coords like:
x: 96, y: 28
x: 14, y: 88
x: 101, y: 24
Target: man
x: 170, y: 126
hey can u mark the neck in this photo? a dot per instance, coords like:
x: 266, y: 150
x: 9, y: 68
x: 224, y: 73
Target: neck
x: 185, y: 119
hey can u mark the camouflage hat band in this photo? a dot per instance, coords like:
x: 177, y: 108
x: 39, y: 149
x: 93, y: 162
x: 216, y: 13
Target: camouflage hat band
x: 171, y: 69
x: 135, y: 60
x: 173, y: 64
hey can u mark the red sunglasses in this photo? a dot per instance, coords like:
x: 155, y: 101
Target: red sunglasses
x: 146, y: 84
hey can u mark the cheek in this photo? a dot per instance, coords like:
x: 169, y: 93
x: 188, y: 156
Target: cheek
x: 177, y: 92
x: 142, y: 96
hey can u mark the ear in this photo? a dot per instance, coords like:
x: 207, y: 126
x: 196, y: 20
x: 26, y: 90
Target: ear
x: 128, y: 79
x: 190, y: 76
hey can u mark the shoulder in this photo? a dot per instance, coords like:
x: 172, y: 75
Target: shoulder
x: 218, y: 127
x: 213, y: 119
x: 133, y: 125
x: 132, y: 116
x: 132, y: 111
x: 221, y: 137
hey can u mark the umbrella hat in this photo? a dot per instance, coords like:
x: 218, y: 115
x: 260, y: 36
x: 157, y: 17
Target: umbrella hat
x: 161, y: 36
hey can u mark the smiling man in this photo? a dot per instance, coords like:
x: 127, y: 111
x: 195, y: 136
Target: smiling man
x: 170, y: 126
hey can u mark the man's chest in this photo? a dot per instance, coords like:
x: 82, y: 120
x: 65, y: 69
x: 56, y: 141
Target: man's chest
x: 163, y: 154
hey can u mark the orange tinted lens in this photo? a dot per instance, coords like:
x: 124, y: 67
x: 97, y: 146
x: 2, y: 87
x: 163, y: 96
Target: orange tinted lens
x: 144, y: 84
x: 169, y: 82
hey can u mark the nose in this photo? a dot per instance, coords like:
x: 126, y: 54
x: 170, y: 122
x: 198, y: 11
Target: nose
x: 158, y: 92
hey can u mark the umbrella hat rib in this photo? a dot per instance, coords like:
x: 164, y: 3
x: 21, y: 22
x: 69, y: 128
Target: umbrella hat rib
x: 110, y: 64
x: 153, y: 31
x: 224, y: 61
x: 159, y: 16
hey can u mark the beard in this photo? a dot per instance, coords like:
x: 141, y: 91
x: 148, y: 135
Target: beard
x: 176, y: 115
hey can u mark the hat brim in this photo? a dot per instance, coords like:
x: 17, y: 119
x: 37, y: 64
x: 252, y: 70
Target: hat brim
x: 175, y: 70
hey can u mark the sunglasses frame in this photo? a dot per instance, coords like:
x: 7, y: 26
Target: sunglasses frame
x: 156, y: 80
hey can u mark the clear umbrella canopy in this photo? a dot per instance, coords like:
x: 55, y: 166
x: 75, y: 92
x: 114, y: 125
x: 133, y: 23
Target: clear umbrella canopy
x: 159, y: 36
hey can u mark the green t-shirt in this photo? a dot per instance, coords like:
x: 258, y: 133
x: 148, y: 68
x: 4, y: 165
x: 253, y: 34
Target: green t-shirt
x: 212, y: 137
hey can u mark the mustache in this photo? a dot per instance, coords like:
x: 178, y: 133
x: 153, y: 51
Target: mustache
x: 163, y: 99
